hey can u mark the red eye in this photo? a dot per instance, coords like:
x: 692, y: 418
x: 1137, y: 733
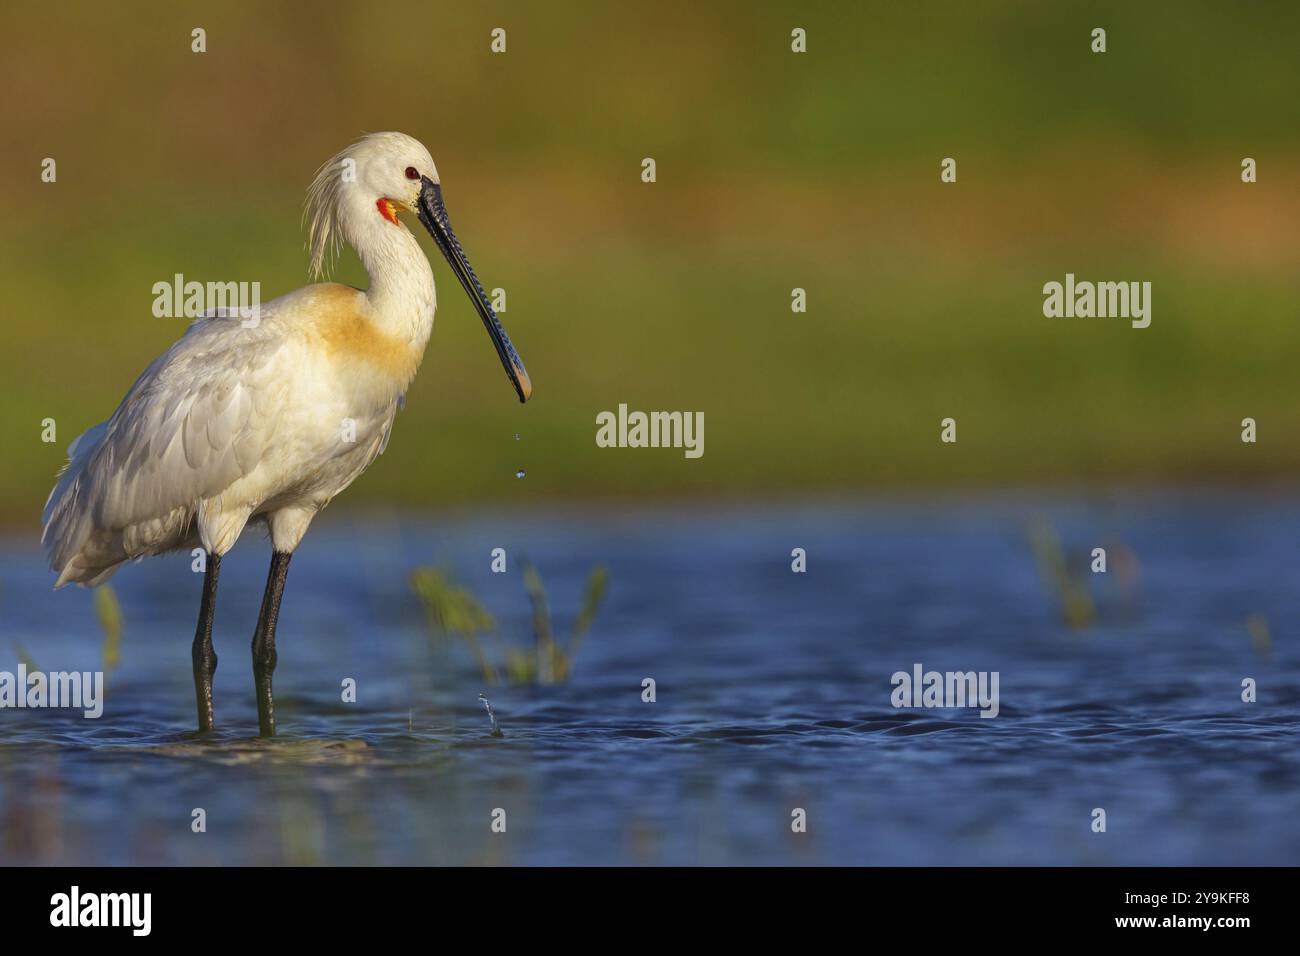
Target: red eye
x: 411, y: 173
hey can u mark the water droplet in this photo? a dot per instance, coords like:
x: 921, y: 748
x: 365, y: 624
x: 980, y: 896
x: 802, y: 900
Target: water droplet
x: 519, y: 473
x: 496, y: 728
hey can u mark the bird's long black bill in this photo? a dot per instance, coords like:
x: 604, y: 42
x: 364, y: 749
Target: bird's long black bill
x: 433, y: 213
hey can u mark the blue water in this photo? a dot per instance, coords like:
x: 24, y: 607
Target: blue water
x: 773, y: 692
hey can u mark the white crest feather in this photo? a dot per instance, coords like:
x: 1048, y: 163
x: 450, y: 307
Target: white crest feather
x: 321, y: 212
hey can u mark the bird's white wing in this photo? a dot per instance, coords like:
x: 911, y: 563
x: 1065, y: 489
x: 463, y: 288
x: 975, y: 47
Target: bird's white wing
x: 200, y: 417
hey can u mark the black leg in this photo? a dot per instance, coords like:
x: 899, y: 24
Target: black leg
x: 264, y: 642
x: 202, y: 654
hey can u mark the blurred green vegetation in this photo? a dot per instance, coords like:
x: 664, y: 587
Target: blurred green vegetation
x: 108, y: 611
x: 454, y: 610
x: 1067, y: 584
x: 775, y: 170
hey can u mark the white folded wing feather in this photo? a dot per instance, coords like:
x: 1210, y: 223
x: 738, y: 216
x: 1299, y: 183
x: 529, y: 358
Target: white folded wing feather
x: 199, y: 418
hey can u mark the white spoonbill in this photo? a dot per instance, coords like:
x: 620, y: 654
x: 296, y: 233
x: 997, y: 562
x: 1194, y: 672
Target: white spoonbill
x: 265, y: 421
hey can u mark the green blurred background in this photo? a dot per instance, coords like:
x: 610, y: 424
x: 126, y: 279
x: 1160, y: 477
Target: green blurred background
x: 775, y: 170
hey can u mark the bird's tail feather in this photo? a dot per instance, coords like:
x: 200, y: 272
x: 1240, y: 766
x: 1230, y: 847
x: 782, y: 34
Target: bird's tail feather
x: 69, y: 518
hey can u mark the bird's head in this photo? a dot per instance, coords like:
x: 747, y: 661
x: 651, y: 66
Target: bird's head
x: 364, y: 187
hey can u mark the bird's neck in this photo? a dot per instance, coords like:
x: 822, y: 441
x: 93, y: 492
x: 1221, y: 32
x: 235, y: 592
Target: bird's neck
x: 401, y: 294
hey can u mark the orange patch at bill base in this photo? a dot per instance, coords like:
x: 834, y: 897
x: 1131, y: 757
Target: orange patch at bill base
x: 387, y: 210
